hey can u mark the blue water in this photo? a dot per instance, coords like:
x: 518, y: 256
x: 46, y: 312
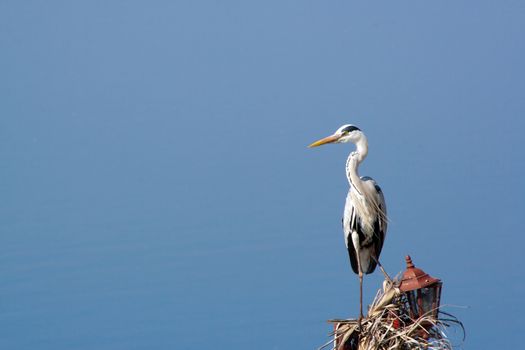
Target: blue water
x: 157, y: 191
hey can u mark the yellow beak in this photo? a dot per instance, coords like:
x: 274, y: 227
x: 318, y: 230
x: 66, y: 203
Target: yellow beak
x: 329, y: 139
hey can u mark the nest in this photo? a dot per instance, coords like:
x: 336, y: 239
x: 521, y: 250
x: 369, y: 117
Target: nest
x: 388, y: 326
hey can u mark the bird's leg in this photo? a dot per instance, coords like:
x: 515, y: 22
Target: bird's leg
x: 355, y: 241
x: 360, y: 286
x: 360, y: 295
x: 387, y: 277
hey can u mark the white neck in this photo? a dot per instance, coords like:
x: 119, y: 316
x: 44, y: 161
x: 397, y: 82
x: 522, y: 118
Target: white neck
x: 361, y: 148
x: 352, y: 163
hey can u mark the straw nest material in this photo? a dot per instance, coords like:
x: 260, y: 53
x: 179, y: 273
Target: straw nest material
x: 388, y: 326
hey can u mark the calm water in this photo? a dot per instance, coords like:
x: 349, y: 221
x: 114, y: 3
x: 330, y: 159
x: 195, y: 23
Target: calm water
x: 157, y: 189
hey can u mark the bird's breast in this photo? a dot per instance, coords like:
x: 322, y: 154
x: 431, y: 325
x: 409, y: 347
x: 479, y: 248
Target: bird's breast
x: 365, y: 216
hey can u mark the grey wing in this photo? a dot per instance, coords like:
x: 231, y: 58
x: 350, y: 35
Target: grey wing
x: 381, y: 222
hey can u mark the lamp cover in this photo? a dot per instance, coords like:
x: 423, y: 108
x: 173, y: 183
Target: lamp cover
x: 423, y: 291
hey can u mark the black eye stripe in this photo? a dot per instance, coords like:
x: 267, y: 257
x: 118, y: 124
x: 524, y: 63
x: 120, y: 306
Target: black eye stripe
x: 350, y: 128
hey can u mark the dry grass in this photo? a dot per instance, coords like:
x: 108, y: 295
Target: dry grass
x: 387, y: 327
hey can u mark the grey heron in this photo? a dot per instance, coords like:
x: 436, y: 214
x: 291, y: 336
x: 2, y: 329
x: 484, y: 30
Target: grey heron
x: 364, y: 217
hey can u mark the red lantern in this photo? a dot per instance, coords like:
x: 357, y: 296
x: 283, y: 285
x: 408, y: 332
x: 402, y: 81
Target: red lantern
x: 423, y: 291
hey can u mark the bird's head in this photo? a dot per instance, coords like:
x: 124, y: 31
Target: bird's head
x: 346, y: 133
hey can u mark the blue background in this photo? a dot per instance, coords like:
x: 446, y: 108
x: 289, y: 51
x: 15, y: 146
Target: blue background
x: 157, y: 192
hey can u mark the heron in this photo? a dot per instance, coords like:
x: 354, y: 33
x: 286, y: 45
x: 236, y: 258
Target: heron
x: 364, y: 216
